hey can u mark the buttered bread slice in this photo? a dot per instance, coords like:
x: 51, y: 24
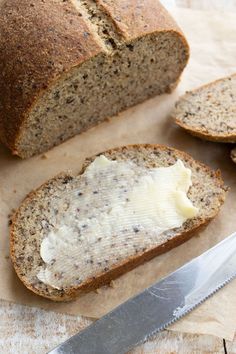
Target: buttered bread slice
x: 127, y: 205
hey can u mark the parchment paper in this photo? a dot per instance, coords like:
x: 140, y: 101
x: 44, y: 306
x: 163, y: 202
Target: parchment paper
x: 213, y: 49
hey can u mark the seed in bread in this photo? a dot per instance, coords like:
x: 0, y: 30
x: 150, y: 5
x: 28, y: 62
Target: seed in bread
x: 209, y: 112
x: 233, y: 155
x: 38, y: 215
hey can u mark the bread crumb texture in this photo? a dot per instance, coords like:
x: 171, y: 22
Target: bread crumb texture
x: 209, y: 111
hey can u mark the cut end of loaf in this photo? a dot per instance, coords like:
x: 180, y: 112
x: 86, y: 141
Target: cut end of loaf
x: 32, y: 220
x: 101, y: 88
x: 209, y: 111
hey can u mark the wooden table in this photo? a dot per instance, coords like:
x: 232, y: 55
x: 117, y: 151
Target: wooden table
x: 27, y: 330
x: 34, y: 331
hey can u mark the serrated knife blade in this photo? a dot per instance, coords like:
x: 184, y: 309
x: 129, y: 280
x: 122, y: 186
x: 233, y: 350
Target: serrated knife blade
x: 158, y: 306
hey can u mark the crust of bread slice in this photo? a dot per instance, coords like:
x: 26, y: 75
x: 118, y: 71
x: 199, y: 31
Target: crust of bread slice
x: 204, y: 132
x: 208, y: 190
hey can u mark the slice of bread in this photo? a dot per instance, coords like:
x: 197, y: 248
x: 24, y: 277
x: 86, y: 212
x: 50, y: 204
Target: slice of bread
x: 209, y: 112
x: 34, y: 218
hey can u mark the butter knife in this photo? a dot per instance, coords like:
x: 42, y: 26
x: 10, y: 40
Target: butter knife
x: 160, y: 305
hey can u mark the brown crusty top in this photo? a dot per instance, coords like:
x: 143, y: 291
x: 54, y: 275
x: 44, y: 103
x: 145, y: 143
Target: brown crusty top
x: 134, y: 18
x: 41, y: 39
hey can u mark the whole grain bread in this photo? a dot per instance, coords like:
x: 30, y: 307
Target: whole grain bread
x: 34, y: 218
x: 209, y: 112
x: 67, y: 65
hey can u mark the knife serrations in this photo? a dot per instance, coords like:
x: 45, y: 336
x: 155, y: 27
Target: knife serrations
x: 158, y: 306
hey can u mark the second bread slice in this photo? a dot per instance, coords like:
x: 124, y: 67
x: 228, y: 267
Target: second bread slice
x: 209, y: 112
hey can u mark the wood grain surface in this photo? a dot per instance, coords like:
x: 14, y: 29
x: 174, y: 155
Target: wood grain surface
x: 28, y: 330
x: 34, y: 331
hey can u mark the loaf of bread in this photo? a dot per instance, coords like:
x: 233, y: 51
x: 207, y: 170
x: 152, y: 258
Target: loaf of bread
x: 67, y: 65
x: 76, y: 233
x: 209, y: 112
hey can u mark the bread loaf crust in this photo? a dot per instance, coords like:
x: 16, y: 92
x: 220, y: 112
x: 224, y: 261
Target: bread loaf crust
x: 127, y: 264
x: 150, y: 17
x: 40, y: 40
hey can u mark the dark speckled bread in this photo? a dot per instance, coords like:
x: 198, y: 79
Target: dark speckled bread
x: 67, y: 65
x: 209, y: 112
x: 35, y: 217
